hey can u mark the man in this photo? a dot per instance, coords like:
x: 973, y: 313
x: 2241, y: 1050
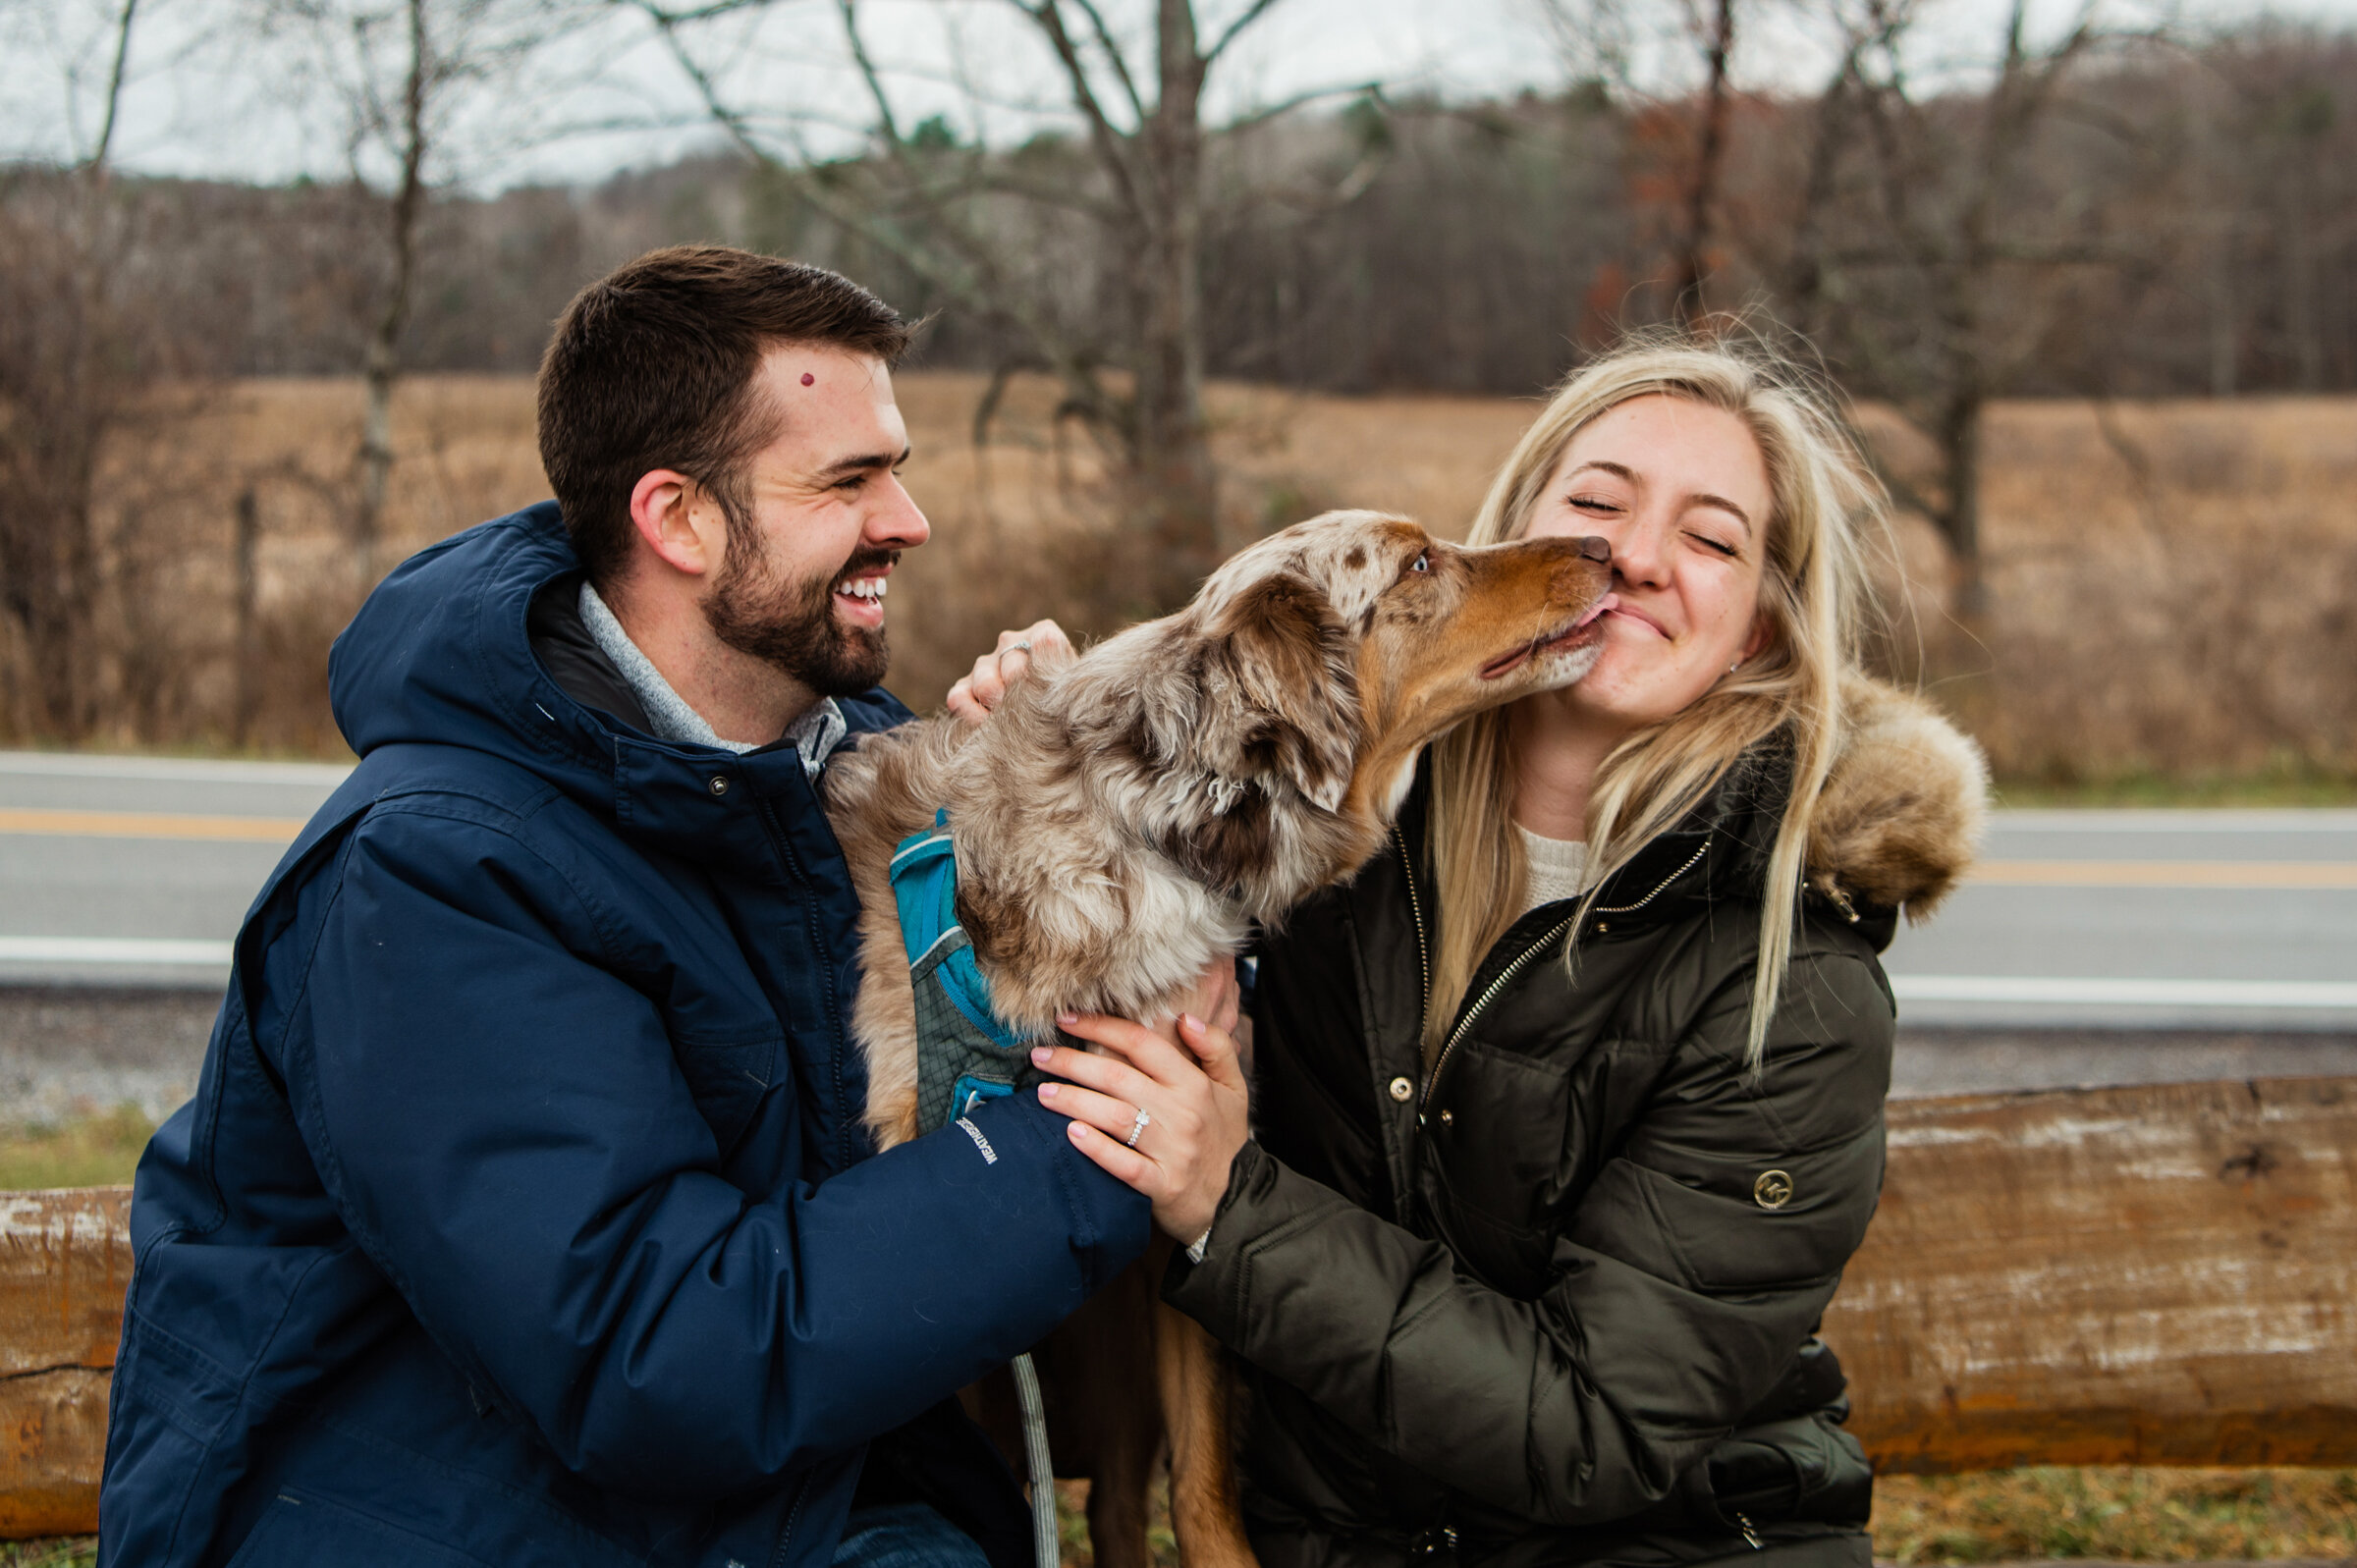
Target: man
x: 523, y: 1215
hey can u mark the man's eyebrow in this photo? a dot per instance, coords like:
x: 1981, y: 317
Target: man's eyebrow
x: 866, y: 462
x: 1701, y: 498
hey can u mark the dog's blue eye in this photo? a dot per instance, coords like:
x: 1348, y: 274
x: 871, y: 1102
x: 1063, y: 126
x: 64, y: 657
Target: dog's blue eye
x: 1420, y: 563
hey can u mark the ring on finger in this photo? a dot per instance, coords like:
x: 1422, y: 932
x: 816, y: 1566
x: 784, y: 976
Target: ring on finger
x: 1025, y: 648
x: 1139, y: 1126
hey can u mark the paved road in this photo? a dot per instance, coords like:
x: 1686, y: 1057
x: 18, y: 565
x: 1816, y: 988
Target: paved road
x: 2227, y: 939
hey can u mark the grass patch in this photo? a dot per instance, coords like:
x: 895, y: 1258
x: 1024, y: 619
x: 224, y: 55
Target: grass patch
x: 2285, y: 782
x: 2116, y: 1513
x: 66, y: 1551
x: 89, y: 1151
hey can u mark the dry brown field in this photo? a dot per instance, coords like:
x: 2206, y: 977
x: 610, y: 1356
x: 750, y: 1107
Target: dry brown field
x: 2173, y: 585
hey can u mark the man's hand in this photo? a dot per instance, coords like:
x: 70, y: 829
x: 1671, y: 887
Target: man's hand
x: 1195, y: 1101
x: 974, y: 696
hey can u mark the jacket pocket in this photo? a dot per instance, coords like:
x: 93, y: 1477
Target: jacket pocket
x: 299, y: 1530
x: 728, y: 1079
x: 1804, y: 1469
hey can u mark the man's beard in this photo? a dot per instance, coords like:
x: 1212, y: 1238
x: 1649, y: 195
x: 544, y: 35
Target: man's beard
x: 755, y: 608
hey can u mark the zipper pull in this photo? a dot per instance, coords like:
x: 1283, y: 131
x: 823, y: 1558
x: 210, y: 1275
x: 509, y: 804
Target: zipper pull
x: 1751, y: 1536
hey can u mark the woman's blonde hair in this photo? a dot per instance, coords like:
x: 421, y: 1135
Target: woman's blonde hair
x: 1812, y: 591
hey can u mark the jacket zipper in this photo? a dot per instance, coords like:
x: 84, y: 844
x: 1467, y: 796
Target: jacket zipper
x: 1489, y: 995
x: 1520, y: 961
x: 1415, y: 913
x: 794, y: 1517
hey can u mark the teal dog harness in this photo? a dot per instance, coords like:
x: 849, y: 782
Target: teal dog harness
x: 963, y: 1054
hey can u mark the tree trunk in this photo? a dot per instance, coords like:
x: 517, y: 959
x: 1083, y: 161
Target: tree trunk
x: 1959, y: 519
x: 1694, y: 264
x: 1176, y: 482
x: 248, y: 632
x: 2300, y: 315
x: 381, y: 368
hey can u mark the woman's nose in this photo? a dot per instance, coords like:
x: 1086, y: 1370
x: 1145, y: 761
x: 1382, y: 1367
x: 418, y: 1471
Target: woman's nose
x: 1636, y: 553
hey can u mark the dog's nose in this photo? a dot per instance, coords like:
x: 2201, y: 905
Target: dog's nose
x: 1596, y: 548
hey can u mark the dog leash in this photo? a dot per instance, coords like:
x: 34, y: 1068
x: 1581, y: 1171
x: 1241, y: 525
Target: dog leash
x: 1047, y: 1542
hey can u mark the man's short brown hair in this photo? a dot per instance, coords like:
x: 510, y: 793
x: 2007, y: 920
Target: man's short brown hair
x: 652, y: 366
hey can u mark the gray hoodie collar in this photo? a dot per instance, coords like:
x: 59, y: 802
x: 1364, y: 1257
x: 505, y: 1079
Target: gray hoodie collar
x: 816, y: 735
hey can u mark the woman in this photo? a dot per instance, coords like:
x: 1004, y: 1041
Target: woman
x: 1569, y: 1110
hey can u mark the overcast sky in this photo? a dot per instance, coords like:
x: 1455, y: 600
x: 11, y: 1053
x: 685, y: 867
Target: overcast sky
x: 212, y: 93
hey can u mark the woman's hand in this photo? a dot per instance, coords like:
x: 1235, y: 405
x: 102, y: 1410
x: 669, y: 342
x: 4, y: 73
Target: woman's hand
x: 1195, y: 1102
x: 975, y: 696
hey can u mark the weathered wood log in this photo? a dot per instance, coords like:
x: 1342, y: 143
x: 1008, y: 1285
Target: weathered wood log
x: 2163, y: 1275
x: 65, y: 1263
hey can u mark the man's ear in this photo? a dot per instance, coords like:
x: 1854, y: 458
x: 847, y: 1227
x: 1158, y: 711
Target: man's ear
x: 678, y: 521
x: 1281, y: 700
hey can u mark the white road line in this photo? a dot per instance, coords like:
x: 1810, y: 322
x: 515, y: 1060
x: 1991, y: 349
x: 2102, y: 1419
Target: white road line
x: 2176, y: 820
x: 157, y: 951
x: 184, y: 770
x: 2288, y: 994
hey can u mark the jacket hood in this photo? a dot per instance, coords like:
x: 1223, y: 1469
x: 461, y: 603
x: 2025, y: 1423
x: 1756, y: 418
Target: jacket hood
x: 440, y: 654
x: 1903, y: 811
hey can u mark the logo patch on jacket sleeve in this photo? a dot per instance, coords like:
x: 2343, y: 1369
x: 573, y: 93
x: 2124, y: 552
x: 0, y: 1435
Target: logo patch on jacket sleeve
x: 990, y: 1156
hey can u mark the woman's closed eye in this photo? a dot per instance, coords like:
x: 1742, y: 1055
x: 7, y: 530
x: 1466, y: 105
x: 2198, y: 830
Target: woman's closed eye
x: 1722, y: 546
x: 1595, y: 505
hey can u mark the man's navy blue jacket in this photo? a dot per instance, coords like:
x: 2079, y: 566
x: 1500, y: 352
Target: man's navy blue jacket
x: 523, y: 1215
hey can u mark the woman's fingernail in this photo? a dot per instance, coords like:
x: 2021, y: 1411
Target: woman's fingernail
x: 1043, y: 1054
x: 1068, y: 1017
x: 1191, y: 1021
x: 1047, y: 1091
x: 1079, y: 1131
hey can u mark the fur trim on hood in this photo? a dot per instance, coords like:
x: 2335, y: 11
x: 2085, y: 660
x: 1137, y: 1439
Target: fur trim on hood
x: 1902, y: 817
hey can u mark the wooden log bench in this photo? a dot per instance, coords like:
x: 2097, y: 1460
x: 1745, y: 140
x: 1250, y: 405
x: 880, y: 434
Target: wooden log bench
x: 2155, y: 1276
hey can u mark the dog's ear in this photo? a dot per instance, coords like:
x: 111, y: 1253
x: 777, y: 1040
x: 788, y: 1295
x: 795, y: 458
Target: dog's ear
x: 1280, y: 697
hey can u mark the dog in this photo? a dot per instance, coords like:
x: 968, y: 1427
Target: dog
x: 1125, y: 819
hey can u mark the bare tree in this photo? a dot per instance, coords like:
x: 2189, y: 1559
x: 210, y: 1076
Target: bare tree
x: 401, y: 74
x: 1923, y: 233
x: 1709, y: 155
x: 71, y: 373
x: 1596, y: 40
x: 1128, y: 189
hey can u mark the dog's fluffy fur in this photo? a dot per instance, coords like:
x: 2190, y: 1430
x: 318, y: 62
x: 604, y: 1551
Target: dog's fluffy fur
x: 1121, y: 820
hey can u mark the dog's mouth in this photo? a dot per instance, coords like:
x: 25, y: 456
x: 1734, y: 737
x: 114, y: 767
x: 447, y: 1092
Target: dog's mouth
x: 1569, y: 637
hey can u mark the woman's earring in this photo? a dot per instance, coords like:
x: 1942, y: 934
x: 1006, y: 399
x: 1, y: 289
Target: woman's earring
x: 1737, y: 665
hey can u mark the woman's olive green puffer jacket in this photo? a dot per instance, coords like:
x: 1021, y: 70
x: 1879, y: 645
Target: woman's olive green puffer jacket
x: 1554, y: 1301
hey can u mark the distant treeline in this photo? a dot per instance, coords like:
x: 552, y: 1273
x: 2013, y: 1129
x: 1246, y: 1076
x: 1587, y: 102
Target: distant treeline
x: 2185, y: 225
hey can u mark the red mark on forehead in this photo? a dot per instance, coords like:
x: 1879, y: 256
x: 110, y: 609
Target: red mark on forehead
x: 807, y: 378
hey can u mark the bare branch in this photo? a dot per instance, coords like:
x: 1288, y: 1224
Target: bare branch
x: 1114, y: 57
x: 113, y: 88
x: 1111, y: 144
x: 1234, y: 29
x: 1300, y: 100
x: 850, y: 11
